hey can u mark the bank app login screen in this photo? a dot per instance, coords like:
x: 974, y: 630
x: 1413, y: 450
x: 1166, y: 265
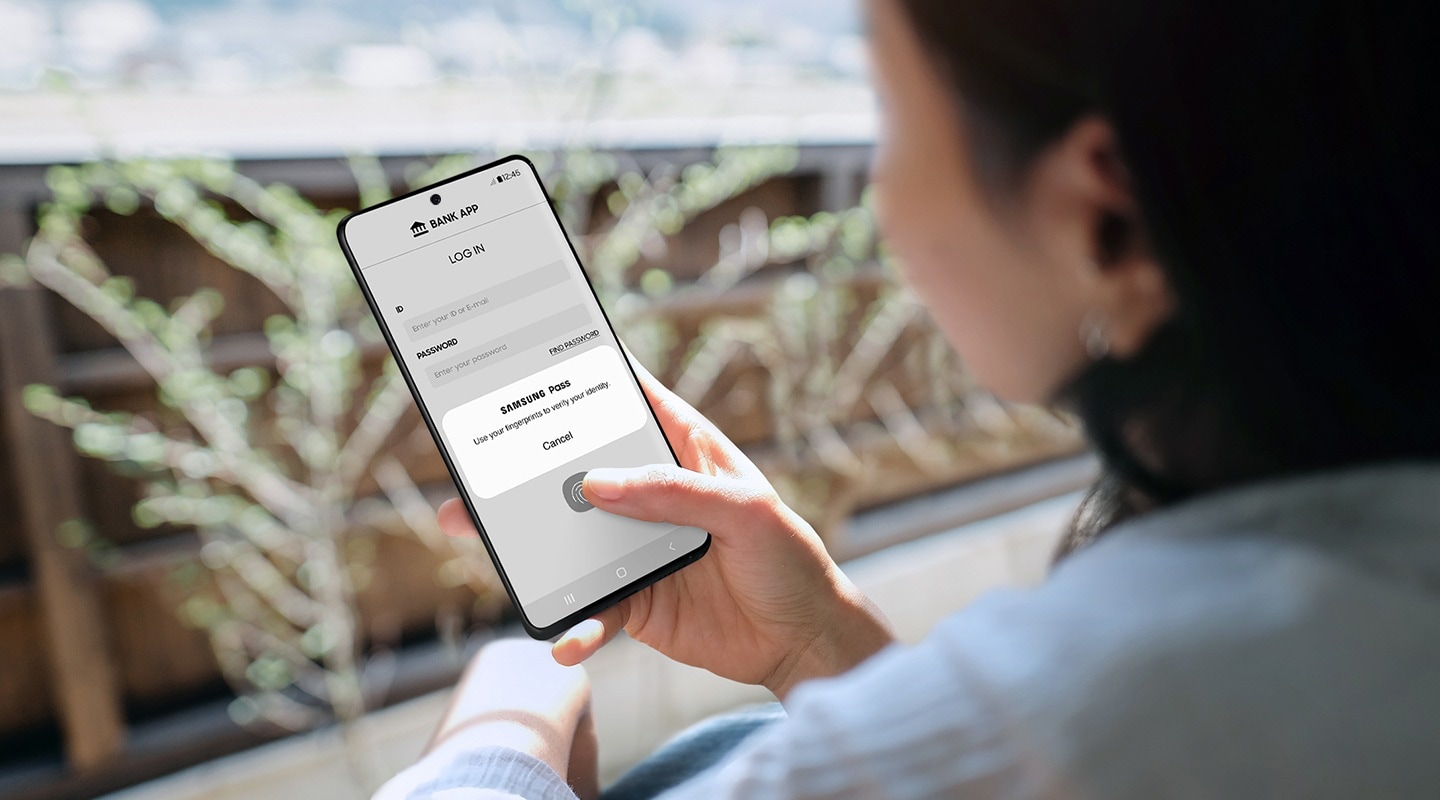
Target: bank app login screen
x: 518, y: 369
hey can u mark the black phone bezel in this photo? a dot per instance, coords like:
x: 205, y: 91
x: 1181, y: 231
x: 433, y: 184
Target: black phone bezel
x: 611, y: 599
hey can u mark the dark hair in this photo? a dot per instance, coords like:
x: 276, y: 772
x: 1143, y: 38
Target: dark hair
x: 1286, y: 160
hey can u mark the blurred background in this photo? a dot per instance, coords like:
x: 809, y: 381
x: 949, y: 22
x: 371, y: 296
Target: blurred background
x: 218, y: 556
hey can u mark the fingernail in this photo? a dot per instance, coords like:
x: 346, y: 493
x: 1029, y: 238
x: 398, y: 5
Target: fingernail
x: 568, y: 649
x: 605, y: 483
x: 587, y: 631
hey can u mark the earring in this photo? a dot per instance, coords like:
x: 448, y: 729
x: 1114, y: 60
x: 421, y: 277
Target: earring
x: 1092, y: 333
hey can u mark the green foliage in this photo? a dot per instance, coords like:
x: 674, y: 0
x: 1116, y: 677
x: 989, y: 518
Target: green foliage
x: 265, y: 462
x: 269, y: 461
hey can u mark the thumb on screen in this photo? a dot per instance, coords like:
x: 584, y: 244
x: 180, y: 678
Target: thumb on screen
x: 672, y: 494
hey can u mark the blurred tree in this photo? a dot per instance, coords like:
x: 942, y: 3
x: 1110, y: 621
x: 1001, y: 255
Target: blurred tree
x: 266, y: 465
x: 271, y: 466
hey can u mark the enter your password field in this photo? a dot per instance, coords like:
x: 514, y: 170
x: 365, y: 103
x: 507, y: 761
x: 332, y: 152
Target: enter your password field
x: 551, y: 329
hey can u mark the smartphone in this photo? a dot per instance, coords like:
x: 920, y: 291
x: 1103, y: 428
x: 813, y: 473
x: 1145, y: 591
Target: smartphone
x: 522, y: 382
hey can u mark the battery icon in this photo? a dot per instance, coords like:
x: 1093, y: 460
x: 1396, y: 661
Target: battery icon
x: 499, y: 178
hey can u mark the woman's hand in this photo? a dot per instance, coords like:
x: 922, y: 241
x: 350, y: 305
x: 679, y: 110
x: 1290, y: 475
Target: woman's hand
x: 767, y: 605
x: 514, y: 695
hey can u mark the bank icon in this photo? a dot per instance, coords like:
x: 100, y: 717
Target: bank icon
x: 419, y: 229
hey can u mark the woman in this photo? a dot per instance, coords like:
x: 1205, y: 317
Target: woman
x: 1209, y: 228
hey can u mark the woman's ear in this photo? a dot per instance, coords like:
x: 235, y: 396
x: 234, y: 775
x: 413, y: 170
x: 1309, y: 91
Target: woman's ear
x: 1093, y: 229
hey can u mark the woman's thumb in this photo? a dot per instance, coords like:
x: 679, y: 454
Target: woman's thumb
x: 668, y: 493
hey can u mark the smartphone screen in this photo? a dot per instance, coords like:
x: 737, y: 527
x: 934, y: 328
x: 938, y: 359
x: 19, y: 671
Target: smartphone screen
x: 522, y: 382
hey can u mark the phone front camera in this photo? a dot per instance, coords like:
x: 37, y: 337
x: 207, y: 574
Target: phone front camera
x: 435, y: 199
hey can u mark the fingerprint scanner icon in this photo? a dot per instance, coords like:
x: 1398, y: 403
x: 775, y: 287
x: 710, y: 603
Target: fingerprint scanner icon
x: 574, y: 489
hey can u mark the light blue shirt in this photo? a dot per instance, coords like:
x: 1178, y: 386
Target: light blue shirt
x: 1277, y: 640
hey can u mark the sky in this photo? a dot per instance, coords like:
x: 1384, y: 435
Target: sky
x: 299, y: 78
x: 248, y: 44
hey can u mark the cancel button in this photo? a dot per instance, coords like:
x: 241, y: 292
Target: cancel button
x: 554, y: 443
